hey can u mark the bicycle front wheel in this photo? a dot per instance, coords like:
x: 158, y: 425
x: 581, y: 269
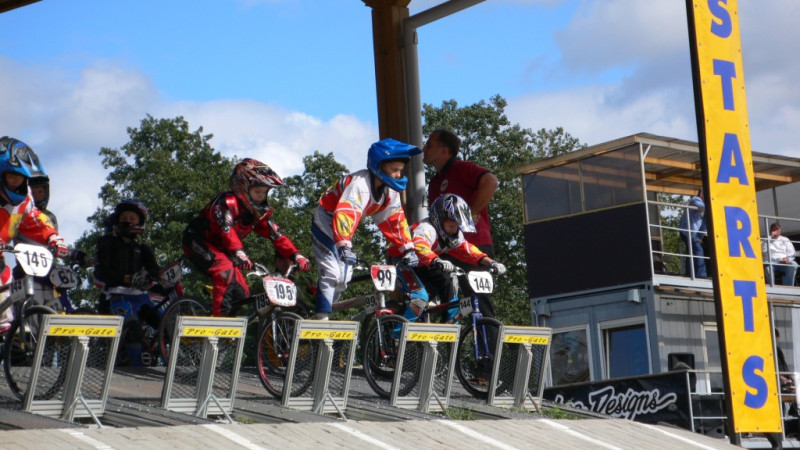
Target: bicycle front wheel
x: 185, y: 306
x: 273, y: 352
x: 475, y: 357
x: 19, y: 350
x: 380, y: 352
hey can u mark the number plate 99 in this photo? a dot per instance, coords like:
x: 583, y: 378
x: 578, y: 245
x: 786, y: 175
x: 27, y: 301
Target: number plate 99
x: 383, y: 277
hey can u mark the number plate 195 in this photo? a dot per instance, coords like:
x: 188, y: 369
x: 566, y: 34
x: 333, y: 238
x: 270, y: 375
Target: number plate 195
x: 280, y: 291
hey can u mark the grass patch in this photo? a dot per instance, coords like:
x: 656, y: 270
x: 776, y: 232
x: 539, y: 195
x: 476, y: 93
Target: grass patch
x: 244, y: 420
x: 557, y: 413
x: 455, y: 413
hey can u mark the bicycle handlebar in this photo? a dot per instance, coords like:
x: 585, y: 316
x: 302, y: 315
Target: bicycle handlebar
x: 260, y: 270
x: 458, y: 271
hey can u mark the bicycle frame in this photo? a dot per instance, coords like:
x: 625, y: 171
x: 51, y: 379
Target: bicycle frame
x: 461, y: 304
x: 375, y: 302
x: 37, y: 262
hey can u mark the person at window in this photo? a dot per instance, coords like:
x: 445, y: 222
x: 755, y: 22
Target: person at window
x: 693, y: 230
x: 475, y: 184
x: 212, y: 241
x: 779, y: 255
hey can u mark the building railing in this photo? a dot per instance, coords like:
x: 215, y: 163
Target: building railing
x: 707, y: 405
x: 672, y: 253
x: 670, y: 242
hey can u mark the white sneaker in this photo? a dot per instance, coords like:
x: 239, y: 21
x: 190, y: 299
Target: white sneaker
x: 320, y: 316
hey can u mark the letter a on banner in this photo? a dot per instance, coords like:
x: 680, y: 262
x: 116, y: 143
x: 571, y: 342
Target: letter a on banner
x: 740, y: 295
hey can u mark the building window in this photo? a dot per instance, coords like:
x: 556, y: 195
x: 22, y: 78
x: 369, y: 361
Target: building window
x: 625, y: 350
x: 593, y: 183
x: 569, y: 357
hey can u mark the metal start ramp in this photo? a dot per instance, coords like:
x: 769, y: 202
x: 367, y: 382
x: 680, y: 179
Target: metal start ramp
x: 205, y: 356
x: 72, y: 364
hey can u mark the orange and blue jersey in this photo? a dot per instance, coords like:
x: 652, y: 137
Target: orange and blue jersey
x: 25, y: 219
x: 22, y: 220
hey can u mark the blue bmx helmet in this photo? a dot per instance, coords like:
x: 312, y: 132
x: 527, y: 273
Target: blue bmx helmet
x: 17, y: 157
x: 387, y: 150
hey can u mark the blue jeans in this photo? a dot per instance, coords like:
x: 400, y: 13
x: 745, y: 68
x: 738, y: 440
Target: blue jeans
x: 130, y: 307
x: 697, y: 257
x: 789, y: 270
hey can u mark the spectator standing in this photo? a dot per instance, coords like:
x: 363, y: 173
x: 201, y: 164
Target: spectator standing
x: 693, y: 230
x: 475, y: 184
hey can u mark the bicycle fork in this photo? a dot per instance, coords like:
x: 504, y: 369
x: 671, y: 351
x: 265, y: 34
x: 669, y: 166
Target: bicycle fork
x: 478, y: 342
x: 380, y: 312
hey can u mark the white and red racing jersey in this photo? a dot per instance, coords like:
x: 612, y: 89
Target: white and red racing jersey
x: 343, y: 205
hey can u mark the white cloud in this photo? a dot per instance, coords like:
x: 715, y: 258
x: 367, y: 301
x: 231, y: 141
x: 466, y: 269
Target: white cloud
x: 648, y: 41
x: 276, y: 136
x: 67, y: 119
x: 591, y: 115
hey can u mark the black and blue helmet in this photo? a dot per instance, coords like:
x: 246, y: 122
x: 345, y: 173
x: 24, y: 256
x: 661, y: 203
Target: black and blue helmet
x: 17, y: 157
x: 387, y: 150
x: 451, y: 207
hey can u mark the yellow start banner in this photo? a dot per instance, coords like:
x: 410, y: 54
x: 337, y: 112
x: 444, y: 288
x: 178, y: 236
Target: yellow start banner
x: 728, y: 170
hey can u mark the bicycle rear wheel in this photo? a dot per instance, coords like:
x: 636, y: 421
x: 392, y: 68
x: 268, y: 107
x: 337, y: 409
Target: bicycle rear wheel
x: 18, y: 352
x: 380, y: 351
x: 273, y: 351
x: 190, y: 350
x: 475, y: 356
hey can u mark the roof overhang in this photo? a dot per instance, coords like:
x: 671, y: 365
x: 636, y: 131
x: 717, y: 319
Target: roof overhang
x: 8, y: 5
x: 673, y: 165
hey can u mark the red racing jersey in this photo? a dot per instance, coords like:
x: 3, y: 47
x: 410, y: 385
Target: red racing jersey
x: 225, y: 222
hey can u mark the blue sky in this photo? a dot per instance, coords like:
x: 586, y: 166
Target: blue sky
x: 278, y: 79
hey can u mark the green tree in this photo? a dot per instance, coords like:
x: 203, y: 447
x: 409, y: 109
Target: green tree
x: 174, y: 171
x: 490, y: 140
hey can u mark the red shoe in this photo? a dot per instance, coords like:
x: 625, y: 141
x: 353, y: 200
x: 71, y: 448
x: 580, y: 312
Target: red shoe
x: 4, y: 327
